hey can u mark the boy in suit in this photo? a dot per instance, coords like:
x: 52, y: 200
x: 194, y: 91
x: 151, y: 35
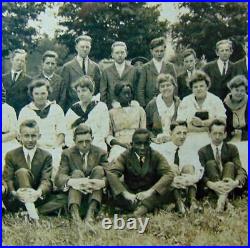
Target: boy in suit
x: 49, y: 65
x: 147, y: 176
x: 16, y: 81
x: 83, y: 160
x: 220, y: 70
x: 147, y: 88
x: 80, y: 65
x: 223, y: 172
x: 28, y: 167
x: 119, y: 71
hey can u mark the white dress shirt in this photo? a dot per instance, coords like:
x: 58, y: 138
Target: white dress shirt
x: 214, y: 147
x: 158, y: 65
x: 120, y: 68
x: 86, y: 62
x: 221, y: 65
x: 17, y: 75
x: 31, y: 152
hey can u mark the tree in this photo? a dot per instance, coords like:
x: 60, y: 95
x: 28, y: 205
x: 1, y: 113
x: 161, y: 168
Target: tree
x: 134, y: 23
x: 208, y: 22
x: 15, y: 31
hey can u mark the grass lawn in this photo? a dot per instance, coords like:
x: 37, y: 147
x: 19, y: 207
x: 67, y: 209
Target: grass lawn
x: 164, y: 228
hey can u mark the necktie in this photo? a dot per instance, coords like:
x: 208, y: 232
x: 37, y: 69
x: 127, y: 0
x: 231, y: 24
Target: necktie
x: 14, y: 77
x: 224, y: 68
x: 218, y: 160
x: 83, y: 67
x: 141, y: 161
x: 28, y: 161
x: 176, y: 156
x: 84, y: 163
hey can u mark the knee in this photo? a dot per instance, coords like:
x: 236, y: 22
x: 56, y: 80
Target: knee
x: 77, y: 174
x: 229, y: 165
x: 188, y: 169
x: 22, y: 171
x: 98, y: 171
x: 211, y: 163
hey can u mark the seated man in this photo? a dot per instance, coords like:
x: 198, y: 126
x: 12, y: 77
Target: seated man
x: 147, y: 176
x: 186, y: 167
x: 27, y: 167
x: 81, y: 161
x: 223, y: 171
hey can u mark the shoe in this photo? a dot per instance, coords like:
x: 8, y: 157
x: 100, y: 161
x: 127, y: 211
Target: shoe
x: 221, y: 202
x: 195, y: 208
x: 180, y: 207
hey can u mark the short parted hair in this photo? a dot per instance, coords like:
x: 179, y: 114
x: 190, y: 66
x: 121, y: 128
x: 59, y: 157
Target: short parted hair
x: 119, y: 86
x: 217, y: 122
x: 238, y: 81
x: 49, y: 54
x: 175, y: 124
x: 82, y: 129
x: 119, y: 43
x: 85, y: 82
x: 199, y: 76
x: 140, y: 131
x: 188, y: 52
x: 37, y: 83
x: 229, y: 42
x: 18, y: 51
x: 83, y: 37
x: 165, y: 78
x: 28, y: 123
x: 157, y: 42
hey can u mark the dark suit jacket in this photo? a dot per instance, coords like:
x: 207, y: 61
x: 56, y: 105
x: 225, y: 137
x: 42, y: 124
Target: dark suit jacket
x: 16, y: 92
x: 41, y: 169
x: 183, y: 89
x: 218, y: 82
x: 72, y: 71
x: 229, y: 153
x: 71, y: 160
x: 110, y: 77
x: 155, y: 173
x: 58, y: 89
x: 147, y: 81
x: 240, y: 68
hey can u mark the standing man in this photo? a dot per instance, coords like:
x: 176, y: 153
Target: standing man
x: 119, y: 71
x: 241, y: 66
x: 147, y: 176
x: 16, y: 81
x: 147, y: 89
x: 223, y: 172
x: 81, y: 161
x: 220, y: 70
x: 49, y: 65
x: 189, y: 62
x: 77, y: 67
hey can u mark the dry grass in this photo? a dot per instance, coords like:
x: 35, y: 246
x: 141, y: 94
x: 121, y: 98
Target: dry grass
x: 165, y: 228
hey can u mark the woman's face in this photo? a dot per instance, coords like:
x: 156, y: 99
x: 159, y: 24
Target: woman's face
x: 40, y: 95
x: 238, y: 93
x: 200, y: 89
x: 166, y: 89
x: 125, y: 96
x: 84, y: 94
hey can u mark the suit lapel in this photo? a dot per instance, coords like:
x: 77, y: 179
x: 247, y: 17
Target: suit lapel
x: 21, y: 159
x: 114, y: 71
x: 126, y: 70
x: 90, y: 68
x: 76, y: 66
x: 152, y: 68
x: 77, y: 158
x: 210, y: 151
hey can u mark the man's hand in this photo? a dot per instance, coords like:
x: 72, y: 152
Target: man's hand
x: 220, y: 187
x: 197, y: 122
x: 130, y: 197
x: 161, y: 138
x: 230, y: 184
x: 144, y: 195
x: 26, y: 195
x: 183, y: 181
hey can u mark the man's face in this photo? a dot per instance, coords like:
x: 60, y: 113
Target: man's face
x: 178, y: 135
x: 125, y: 96
x: 158, y: 53
x: 29, y: 137
x: 40, y: 95
x: 83, y: 142
x: 224, y: 51
x: 119, y: 54
x: 217, y: 134
x: 140, y: 144
x: 18, y: 62
x: 246, y: 48
x: 200, y: 89
x: 189, y: 62
x: 49, y: 65
x: 83, y: 48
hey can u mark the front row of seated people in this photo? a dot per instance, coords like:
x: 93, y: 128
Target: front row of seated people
x: 149, y: 178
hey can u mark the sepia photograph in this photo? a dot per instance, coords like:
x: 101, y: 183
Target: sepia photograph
x: 124, y: 123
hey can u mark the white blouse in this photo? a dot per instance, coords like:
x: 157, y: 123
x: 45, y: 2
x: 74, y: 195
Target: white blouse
x: 9, y: 119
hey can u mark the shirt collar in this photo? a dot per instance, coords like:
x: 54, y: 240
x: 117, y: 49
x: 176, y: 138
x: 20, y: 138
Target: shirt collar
x: 222, y: 62
x: 214, y: 146
x: 31, y: 152
x: 158, y: 62
x: 48, y: 76
x: 80, y: 59
x: 34, y: 107
x: 122, y: 65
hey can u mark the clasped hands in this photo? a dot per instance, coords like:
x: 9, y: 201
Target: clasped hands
x: 27, y: 195
x: 86, y: 185
x: 224, y: 186
x: 134, y: 198
x: 183, y: 181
